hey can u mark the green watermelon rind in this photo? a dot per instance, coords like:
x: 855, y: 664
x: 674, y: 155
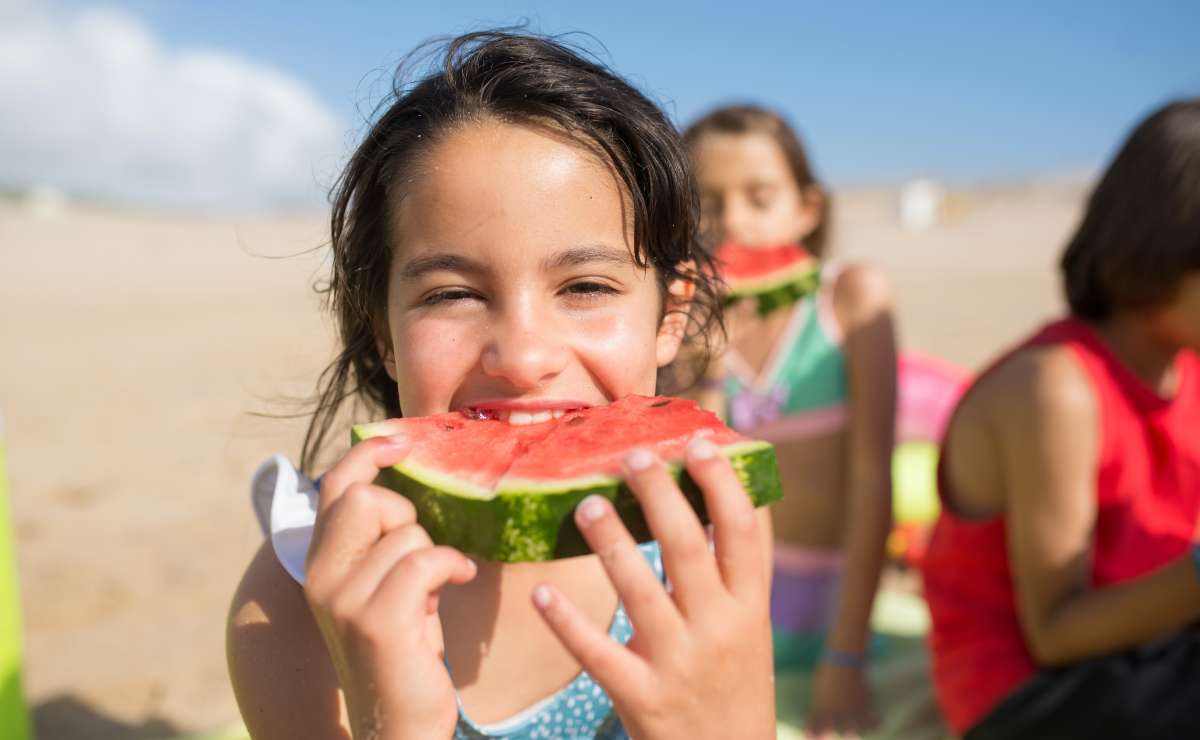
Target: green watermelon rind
x: 538, y: 524
x: 428, y: 477
x: 781, y: 295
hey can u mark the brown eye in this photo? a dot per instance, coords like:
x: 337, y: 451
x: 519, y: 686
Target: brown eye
x: 589, y: 289
x: 761, y: 196
x: 447, y: 296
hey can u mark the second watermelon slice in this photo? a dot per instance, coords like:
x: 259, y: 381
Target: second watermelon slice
x: 773, y: 276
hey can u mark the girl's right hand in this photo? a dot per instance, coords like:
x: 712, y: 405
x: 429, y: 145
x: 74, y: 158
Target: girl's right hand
x: 372, y: 583
x: 700, y: 661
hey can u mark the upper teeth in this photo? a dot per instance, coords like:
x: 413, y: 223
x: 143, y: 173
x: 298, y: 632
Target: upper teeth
x: 521, y: 418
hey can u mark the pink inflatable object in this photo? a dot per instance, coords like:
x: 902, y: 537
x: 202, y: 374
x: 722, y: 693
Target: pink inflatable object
x: 927, y: 389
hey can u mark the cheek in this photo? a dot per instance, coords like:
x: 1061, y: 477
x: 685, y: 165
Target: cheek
x: 431, y: 360
x: 798, y: 221
x: 1184, y: 314
x: 618, y: 350
x: 1191, y: 326
x: 780, y: 223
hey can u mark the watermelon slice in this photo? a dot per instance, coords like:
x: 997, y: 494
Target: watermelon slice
x: 775, y: 276
x: 508, y: 493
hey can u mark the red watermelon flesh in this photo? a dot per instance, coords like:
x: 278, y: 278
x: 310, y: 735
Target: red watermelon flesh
x: 470, y: 454
x: 594, y: 442
x: 507, y: 493
x: 753, y: 270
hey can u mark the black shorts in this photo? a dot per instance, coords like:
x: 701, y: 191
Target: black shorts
x: 1151, y: 692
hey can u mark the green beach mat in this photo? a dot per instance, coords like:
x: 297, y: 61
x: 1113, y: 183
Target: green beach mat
x: 14, y: 716
x: 898, y: 675
x: 235, y: 731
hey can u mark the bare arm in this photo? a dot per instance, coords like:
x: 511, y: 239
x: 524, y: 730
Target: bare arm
x: 864, y: 309
x: 1049, y: 434
x: 282, y: 677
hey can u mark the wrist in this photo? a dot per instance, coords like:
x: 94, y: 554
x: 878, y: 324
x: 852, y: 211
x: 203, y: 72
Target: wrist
x: 853, y: 660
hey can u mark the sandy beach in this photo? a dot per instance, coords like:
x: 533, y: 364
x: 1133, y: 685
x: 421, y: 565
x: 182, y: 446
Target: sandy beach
x: 138, y: 348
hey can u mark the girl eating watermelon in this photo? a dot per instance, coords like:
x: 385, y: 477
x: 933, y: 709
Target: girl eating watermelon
x: 515, y: 239
x: 811, y: 366
x: 1063, y: 574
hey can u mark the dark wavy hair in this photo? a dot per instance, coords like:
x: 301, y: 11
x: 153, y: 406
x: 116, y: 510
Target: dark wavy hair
x: 1141, y: 230
x: 514, y: 78
x: 751, y: 119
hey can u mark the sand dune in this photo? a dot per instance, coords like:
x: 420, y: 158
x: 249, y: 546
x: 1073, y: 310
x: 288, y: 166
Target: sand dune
x: 136, y: 346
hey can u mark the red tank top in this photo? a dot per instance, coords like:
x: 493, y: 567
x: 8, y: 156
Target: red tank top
x: 1148, y: 500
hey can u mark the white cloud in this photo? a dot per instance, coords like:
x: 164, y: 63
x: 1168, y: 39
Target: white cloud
x: 92, y: 101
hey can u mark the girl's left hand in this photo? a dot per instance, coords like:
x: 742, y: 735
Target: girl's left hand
x: 841, y: 703
x: 700, y: 662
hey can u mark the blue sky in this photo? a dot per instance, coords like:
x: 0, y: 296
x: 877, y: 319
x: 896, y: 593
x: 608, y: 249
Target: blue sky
x: 881, y: 91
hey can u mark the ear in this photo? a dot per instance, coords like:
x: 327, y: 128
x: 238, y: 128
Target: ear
x: 812, y: 207
x: 383, y: 345
x: 674, y: 323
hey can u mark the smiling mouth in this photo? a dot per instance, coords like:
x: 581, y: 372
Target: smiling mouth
x: 519, y: 417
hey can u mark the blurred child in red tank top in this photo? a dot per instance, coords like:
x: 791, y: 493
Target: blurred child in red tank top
x: 1063, y: 575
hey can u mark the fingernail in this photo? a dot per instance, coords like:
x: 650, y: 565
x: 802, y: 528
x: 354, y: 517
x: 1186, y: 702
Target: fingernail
x: 591, y: 509
x: 639, y: 459
x: 542, y: 596
x: 701, y: 448
x: 397, y: 440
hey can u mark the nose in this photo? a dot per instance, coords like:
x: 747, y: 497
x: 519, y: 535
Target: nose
x: 525, y: 348
x: 735, y: 221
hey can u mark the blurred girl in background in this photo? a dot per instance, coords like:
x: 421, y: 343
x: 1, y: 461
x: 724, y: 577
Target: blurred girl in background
x: 817, y: 378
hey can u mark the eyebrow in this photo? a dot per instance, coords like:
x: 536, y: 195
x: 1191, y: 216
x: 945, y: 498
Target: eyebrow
x: 418, y: 267
x: 588, y: 254
x: 439, y: 262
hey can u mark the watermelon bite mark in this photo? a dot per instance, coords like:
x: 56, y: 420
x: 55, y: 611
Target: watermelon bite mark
x: 508, y: 493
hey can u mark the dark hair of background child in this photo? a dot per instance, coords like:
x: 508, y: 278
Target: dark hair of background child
x: 514, y: 78
x: 1141, y: 230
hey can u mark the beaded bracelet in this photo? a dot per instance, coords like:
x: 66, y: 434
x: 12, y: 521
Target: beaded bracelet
x: 843, y: 659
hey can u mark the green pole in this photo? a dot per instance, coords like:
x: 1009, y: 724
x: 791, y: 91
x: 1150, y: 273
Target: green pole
x: 14, y: 717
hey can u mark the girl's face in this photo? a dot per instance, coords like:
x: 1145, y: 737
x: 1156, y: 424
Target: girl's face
x: 513, y: 289
x: 1178, y: 323
x: 748, y: 194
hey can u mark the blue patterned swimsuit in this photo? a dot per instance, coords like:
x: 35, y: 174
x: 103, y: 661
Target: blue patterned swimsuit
x: 581, y: 710
x: 285, y: 502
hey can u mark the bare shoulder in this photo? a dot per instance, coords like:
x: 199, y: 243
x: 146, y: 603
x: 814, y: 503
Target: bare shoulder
x: 1033, y: 410
x: 282, y: 676
x: 1038, y: 384
x: 860, y: 293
